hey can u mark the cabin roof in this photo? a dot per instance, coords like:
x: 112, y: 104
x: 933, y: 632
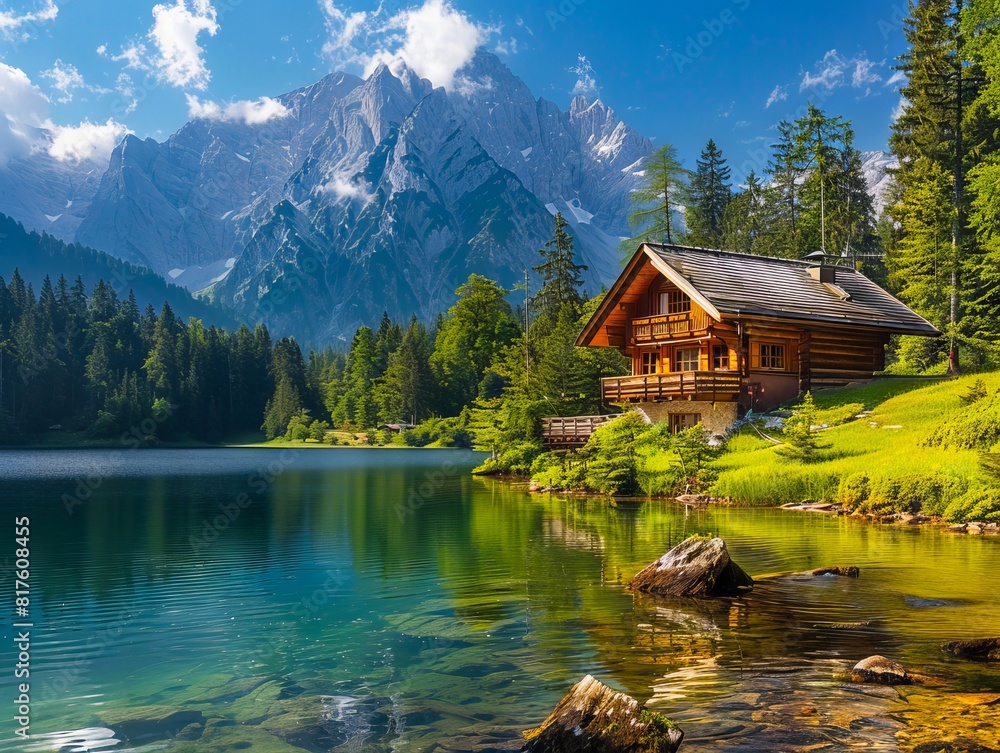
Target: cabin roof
x: 729, y: 285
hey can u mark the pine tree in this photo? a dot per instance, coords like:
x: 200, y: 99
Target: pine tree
x: 745, y: 219
x: 710, y: 194
x: 664, y: 187
x: 405, y: 391
x: 561, y: 282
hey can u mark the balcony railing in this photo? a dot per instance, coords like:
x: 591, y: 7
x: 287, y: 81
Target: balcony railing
x: 571, y: 431
x: 666, y: 326
x: 707, y: 385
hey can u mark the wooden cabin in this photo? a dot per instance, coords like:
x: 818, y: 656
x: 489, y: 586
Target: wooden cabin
x: 713, y: 334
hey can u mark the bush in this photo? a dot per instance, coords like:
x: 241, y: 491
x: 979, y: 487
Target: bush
x: 516, y: 460
x: 978, y: 505
x: 801, y: 441
x: 927, y: 492
x: 976, y: 426
x: 854, y: 490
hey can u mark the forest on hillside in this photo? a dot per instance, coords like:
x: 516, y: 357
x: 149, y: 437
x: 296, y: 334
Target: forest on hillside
x: 89, y: 359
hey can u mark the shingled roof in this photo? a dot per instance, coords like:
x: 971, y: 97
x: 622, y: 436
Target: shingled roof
x: 729, y: 284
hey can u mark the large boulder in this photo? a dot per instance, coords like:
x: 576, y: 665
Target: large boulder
x: 695, y: 567
x: 980, y: 649
x: 593, y: 718
x: 877, y: 670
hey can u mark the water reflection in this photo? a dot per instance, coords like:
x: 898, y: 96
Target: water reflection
x: 438, y: 606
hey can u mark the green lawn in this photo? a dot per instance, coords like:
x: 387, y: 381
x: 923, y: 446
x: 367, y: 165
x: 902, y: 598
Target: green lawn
x: 880, y: 462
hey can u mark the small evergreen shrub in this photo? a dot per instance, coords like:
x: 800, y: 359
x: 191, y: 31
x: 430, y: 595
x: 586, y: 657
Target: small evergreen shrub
x: 981, y: 505
x: 974, y: 426
x: 854, y: 490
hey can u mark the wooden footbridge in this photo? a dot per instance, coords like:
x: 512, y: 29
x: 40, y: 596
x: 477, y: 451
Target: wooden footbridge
x: 571, y: 431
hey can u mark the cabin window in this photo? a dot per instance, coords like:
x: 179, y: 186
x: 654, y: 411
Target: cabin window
x: 650, y: 363
x: 687, y: 359
x: 720, y: 357
x: 674, y: 302
x: 681, y: 421
x: 772, y: 356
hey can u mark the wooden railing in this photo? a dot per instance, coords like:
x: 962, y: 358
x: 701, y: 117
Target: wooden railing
x: 571, y: 431
x: 709, y: 385
x: 665, y: 326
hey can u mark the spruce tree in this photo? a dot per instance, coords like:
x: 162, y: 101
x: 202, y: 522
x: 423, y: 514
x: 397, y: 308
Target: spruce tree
x: 710, y: 194
x: 561, y: 282
x: 664, y: 186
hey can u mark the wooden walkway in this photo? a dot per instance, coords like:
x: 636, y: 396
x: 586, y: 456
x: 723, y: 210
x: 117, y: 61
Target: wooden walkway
x: 571, y: 431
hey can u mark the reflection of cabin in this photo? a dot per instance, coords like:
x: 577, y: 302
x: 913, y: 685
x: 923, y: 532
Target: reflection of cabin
x: 712, y: 332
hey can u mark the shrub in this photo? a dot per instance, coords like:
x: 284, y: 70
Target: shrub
x: 978, y: 505
x: 929, y: 492
x: 976, y: 426
x: 854, y: 490
x: 515, y: 460
x: 801, y: 441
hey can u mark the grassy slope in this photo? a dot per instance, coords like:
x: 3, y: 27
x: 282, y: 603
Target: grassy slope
x: 751, y: 471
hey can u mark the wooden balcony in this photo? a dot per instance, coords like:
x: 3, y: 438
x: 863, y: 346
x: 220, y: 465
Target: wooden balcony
x: 694, y: 385
x: 666, y: 326
x: 571, y: 431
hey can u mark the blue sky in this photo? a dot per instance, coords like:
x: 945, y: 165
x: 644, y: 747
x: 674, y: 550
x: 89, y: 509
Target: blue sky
x: 677, y: 72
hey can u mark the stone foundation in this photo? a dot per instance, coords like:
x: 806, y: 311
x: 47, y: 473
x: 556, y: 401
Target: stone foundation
x: 715, y: 417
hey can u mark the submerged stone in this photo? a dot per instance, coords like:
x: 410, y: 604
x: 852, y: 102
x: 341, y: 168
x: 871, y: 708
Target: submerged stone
x: 594, y: 718
x: 695, y: 567
x: 853, y: 571
x: 980, y: 649
x: 879, y: 670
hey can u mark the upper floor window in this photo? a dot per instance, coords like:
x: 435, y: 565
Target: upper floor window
x: 674, y: 302
x: 772, y: 356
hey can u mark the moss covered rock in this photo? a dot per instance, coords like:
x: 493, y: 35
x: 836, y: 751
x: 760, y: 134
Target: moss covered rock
x: 695, y: 567
x: 592, y: 717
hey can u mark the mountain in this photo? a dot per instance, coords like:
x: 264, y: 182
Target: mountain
x: 37, y: 255
x: 370, y: 194
x: 876, y: 167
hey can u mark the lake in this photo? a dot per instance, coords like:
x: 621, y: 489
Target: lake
x: 376, y: 600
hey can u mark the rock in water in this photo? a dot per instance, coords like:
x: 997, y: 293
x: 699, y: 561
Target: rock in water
x: 844, y: 572
x: 593, y: 718
x: 981, y: 649
x: 696, y: 567
x: 878, y: 670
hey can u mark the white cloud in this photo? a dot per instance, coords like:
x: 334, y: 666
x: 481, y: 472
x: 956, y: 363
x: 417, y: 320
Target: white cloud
x: 86, y: 141
x: 245, y: 111
x: 832, y: 73
x: 176, y: 58
x: 829, y: 73
x: 175, y: 34
x: 863, y: 74
x: 586, y: 83
x: 125, y: 86
x: 342, y: 187
x: 66, y: 79
x: 342, y: 27
x: 12, y: 25
x: 25, y: 126
x: 434, y: 39
x: 897, y: 79
x: 778, y: 94
x: 897, y: 111
x: 23, y: 110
